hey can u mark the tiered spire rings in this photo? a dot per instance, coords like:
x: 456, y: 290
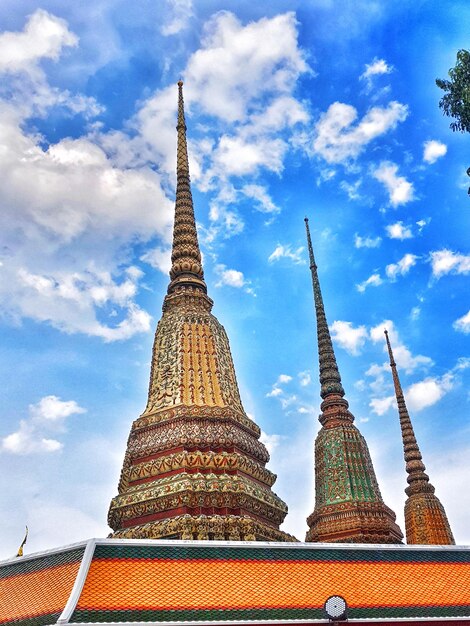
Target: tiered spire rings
x: 186, y: 266
x: 425, y: 518
x: 348, y: 503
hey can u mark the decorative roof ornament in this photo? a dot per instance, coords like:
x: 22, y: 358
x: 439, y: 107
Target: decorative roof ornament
x: 425, y: 518
x: 194, y: 467
x: 348, y: 504
x: 22, y: 544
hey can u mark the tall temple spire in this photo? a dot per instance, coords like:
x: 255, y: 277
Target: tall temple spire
x: 186, y: 266
x: 330, y: 380
x: 194, y: 467
x: 425, y: 518
x: 348, y: 504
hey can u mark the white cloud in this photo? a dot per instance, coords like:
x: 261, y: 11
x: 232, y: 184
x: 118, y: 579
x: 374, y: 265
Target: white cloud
x: 238, y: 156
x: 224, y: 221
x: 53, y: 409
x: 284, y: 111
x: 415, y: 313
x: 325, y: 175
x: 351, y: 189
x: 26, y: 441
x: 159, y: 258
x: 402, y: 267
x: 305, y: 379
x: 47, y: 414
x: 287, y: 401
x: 399, y: 231
x: 403, y: 357
x: 366, y: 242
x: 245, y: 75
x: 430, y: 390
x: 180, y: 13
x: 259, y: 193
x: 72, y: 225
x: 237, y: 64
x: 427, y: 392
x: 378, y: 66
x: 446, y: 262
x: 286, y: 252
x: 230, y: 277
x: 399, y: 189
x: 44, y: 36
x: 276, y: 390
x: 347, y: 337
x: 422, y: 223
x: 24, y: 81
x: 463, y: 324
x: 381, y: 405
x: 75, y: 201
x: 270, y: 441
x: 373, y: 281
x: 70, y: 301
x: 338, y: 140
x: 433, y: 150
x: 233, y: 278
x: 422, y: 394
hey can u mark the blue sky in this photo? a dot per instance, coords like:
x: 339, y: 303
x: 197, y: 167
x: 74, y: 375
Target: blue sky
x: 293, y: 109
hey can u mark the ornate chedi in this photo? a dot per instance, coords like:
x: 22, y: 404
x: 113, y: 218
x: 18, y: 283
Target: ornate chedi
x: 194, y: 466
x: 348, y: 504
x: 425, y: 518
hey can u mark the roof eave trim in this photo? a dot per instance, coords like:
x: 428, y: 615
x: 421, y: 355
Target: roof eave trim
x: 79, y: 582
x: 298, y: 545
x: 381, y: 620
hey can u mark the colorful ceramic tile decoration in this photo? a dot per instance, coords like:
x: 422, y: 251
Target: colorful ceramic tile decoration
x: 194, y: 466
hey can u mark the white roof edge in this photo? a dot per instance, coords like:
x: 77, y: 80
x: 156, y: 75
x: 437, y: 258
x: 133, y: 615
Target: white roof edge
x: 79, y: 582
x: 381, y: 620
x: 192, y: 543
x: 35, y: 555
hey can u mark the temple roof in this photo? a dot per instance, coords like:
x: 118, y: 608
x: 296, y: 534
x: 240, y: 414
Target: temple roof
x: 138, y: 581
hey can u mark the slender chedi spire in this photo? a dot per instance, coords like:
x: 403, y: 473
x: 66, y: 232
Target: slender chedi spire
x: 194, y: 466
x: 348, y: 504
x: 425, y: 518
x: 186, y: 266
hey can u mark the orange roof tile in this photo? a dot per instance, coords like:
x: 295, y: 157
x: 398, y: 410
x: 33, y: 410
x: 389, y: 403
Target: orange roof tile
x: 162, y: 581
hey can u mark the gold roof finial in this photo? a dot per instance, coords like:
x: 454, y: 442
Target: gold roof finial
x: 20, y: 549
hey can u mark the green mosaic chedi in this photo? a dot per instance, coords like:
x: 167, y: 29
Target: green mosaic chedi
x: 348, y: 503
